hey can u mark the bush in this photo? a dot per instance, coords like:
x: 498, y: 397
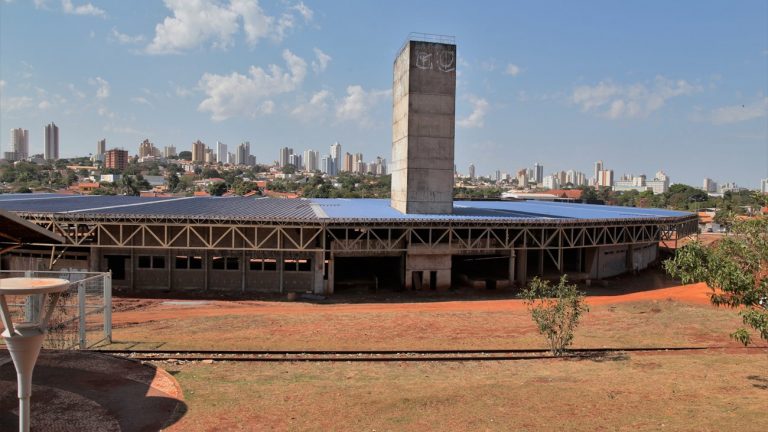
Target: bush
x: 556, y: 310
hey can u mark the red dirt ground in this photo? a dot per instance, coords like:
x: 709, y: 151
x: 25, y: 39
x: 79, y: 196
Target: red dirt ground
x: 142, y: 310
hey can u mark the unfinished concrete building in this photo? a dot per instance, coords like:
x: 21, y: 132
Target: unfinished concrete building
x: 242, y: 245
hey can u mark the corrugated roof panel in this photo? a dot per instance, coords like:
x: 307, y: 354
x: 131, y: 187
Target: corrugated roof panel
x: 315, y: 209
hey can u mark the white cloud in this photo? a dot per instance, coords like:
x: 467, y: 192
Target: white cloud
x: 43, y: 105
x: 740, y: 113
x: 237, y: 94
x: 198, y: 22
x: 2, y: 84
x: 316, y: 107
x: 180, y: 91
x: 321, y: 62
x: 85, y: 9
x: 358, y: 103
x: 104, y: 112
x: 629, y: 101
x: 304, y: 11
x: 16, y: 103
x: 476, y: 119
x: 125, y: 39
x: 256, y: 24
x: 103, y: 90
x: 193, y: 23
x: 512, y: 70
x: 75, y: 91
x: 141, y: 100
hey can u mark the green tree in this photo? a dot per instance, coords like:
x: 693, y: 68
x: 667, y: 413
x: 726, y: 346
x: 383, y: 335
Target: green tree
x: 217, y: 188
x: 735, y: 269
x: 556, y: 310
x: 185, y: 155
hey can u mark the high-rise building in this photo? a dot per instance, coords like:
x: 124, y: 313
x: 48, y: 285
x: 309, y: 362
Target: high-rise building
x: 221, y: 153
x: 198, y: 151
x: 538, y: 173
x: 336, y: 154
x: 522, y: 178
x: 423, y: 126
x: 598, y: 168
x: 764, y: 185
x: 326, y: 165
x: 51, y: 133
x: 295, y: 160
x: 472, y: 171
x: 243, y: 153
x: 311, y: 160
x: 101, y: 146
x: 707, y: 185
x: 116, y: 159
x: 19, y: 148
x: 348, y: 163
x: 605, y: 178
x: 146, y: 148
x: 210, y: 156
x: 285, y: 152
x: 169, y: 152
x: 357, y: 160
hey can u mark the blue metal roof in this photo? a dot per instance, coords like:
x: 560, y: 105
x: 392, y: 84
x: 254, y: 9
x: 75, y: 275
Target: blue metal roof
x: 328, y: 209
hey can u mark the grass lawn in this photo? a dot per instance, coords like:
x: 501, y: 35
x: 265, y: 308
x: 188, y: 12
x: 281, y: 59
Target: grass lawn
x: 696, y: 392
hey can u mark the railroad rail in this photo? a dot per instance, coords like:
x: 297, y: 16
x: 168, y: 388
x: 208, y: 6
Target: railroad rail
x: 391, y: 355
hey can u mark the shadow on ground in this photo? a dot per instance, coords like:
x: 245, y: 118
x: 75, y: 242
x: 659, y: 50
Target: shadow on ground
x: 76, y: 391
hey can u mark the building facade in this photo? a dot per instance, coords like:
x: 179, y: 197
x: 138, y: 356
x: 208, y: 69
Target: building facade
x: 51, y: 133
x: 116, y: 159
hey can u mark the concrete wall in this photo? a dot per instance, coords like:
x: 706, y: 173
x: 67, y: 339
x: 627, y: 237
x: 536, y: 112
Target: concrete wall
x: 423, y: 128
x: 428, y: 263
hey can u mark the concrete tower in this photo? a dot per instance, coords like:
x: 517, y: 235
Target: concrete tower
x: 423, y: 125
x: 51, y: 149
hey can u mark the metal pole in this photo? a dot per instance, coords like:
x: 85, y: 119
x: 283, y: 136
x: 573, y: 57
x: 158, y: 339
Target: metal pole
x: 108, y: 307
x: 81, y: 311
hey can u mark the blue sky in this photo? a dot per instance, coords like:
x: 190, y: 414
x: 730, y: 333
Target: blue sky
x: 645, y: 86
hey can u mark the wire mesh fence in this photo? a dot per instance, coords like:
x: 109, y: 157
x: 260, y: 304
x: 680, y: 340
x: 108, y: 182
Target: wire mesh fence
x: 82, y: 318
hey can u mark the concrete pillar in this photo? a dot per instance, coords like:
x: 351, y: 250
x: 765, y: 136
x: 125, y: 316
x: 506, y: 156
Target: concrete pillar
x: 317, y: 272
x: 171, y: 264
x: 281, y: 271
x: 205, y: 270
x: 630, y: 258
x: 511, y: 267
x: 541, y: 263
x: 330, y: 275
x: 133, y: 266
x: 94, y: 259
x: 521, y: 258
x: 408, y: 280
x: 243, y: 270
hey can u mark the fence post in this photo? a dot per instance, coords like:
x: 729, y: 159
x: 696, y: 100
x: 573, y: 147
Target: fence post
x: 81, y: 311
x: 108, y: 307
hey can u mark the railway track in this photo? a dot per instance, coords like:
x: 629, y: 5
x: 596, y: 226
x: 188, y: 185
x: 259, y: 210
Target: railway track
x: 386, y: 355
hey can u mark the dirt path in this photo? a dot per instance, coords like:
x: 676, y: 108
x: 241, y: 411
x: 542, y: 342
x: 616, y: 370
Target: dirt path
x: 156, y: 309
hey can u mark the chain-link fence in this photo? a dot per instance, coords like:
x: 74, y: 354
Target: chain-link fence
x: 83, y: 315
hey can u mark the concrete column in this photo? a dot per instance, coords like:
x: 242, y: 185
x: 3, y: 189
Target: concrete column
x: 243, y: 270
x: 630, y: 258
x: 330, y: 275
x: 94, y: 259
x: 408, y: 280
x: 133, y: 266
x: 511, y: 267
x: 541, y: 263
x: 280, y: 272
x: 171, y: 264
x: 521, y: 258
x: 205, y: 270
x: 317, y: 272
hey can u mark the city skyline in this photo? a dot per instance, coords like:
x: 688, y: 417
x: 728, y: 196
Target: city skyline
x: 685, y: 95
